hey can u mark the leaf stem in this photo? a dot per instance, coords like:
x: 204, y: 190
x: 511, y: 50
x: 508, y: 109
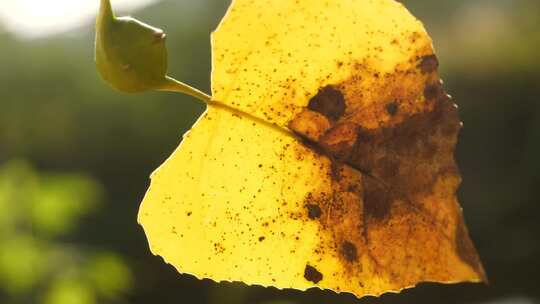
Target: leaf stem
x: 172, y: 85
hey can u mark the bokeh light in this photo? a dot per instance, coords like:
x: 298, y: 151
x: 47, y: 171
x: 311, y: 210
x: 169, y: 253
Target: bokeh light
x: 38, y: 18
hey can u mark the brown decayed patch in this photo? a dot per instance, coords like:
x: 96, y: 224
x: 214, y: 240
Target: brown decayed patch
x: 382, y: 204
x: 313, y: 275
x: 395, y: 155
x: 329, y: 101
x: 377, y: 199
x: 433, y: 91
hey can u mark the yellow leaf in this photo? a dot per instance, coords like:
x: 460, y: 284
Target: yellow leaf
x: 361, y: 199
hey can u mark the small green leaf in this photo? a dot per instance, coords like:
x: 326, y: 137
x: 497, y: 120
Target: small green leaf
x: 130, y: 55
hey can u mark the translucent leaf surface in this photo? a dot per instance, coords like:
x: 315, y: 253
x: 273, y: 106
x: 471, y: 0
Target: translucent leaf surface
x: 362, y: 198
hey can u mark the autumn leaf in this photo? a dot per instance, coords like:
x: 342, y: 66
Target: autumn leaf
x: 326, y: 160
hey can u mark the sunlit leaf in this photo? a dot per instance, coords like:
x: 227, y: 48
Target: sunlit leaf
x: 362, y: 198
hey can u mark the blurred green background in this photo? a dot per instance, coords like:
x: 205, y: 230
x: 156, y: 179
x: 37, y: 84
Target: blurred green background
x: 75, y: 157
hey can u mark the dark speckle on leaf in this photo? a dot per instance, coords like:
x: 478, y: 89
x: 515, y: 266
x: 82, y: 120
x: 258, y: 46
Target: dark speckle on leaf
x: 348, y: 250
x: 392, y: 108
x: 313, y: 275
x: 314, y: 211
x: 428, y: 64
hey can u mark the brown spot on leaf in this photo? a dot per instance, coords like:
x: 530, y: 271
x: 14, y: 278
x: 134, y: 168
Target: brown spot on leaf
x: 329, y: 102
x: 314, y: 211
x: 433, y: 91
x: 313, y: 275
x: 261, y: 238
x: 392, y: 108
x: 429, y: 64
x: 349, y: 251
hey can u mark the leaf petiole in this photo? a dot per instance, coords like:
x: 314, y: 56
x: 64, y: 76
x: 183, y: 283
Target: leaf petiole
x: 172, y: 85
